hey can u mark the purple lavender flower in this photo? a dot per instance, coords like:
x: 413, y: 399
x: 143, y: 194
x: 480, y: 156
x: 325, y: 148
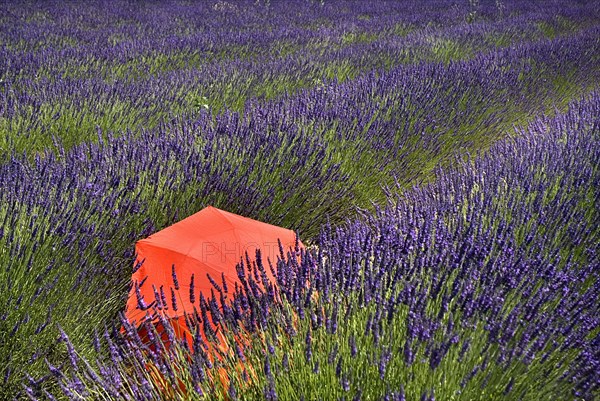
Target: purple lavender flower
x: 285, y: 362
x: 509, y: 386
x: 214, y: 283
x: 384, y: 359
x: 173, y: 300
x: 192, y: 292
x: 339, y: 367
x: 163, y: 298
x: 308, y: 348
x: 352, y: 343
x: 267, y: 368
x: 224, y: 282
x: 269, y: 393
x: 7, y: 374
x: 73, y: 358
x: 345, y: 382
x: 140, y: 298
x: 174, y: 277
x: 231, y: 391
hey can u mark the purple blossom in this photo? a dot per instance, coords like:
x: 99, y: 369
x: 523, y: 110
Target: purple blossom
x: 224, y: 282
x: 173, y: 300
x: 174, y: 277
x: 308, y: 346
x: 345, y: 382
x: 352, y: 343
x: 285, y: 362
x: 192, y: 291
x: 339, y: 367
x: 232, y: 392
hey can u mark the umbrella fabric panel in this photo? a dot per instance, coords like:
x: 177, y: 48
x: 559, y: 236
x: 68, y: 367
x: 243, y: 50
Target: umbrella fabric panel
x: 210, y: 242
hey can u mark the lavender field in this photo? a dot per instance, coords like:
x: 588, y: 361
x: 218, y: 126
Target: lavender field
x: 440, y: 159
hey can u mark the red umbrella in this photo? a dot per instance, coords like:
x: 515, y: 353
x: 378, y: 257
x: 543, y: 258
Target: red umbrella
x: 210, y: 242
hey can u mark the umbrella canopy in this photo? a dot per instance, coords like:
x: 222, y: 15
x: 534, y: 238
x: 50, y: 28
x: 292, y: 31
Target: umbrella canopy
x: 210, y: 242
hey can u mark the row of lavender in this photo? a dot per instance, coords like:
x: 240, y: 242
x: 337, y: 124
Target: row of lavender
x: 481, y: 286
x: 70, y: 220
x: 54, y: 39
x: 66, y: 70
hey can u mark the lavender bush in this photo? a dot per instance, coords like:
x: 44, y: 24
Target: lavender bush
x: 482, y: 285
x: 117, y: 122
x: 65, y: 70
